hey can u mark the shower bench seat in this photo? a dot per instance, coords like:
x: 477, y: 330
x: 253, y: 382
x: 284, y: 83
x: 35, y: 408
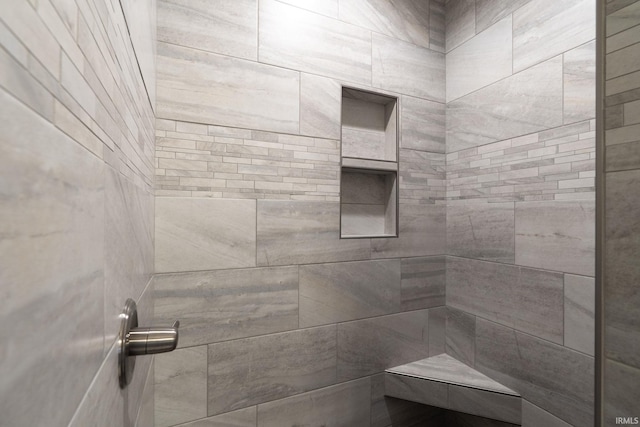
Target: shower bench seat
x: 445, y: 382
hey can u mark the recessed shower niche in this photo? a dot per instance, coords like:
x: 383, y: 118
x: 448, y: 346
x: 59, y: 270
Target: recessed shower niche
x: 369, y: 173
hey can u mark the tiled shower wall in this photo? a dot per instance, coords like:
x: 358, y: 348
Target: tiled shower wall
x: 282, y: 322
x: 520, y: 199
x: 76, y: 210
x: 621, y: 246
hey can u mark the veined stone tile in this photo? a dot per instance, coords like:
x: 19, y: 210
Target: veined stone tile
x: 202, y: 87
x: 622, y: 330
x: 408, y: 69
x: 548, y: 375
x: 455, y: 418
x: 533, y: 416
x: 228, y: 304
x: 51, y: 267
x: 406, y: 20
x: 460, y: 335
x: 437, y: 25
x: 257, y: 370
x: 301, y: 232
x: 562, y: 25
x: 180, y: 386
x: 483, y: 60
x: 324, y: 7
x: 523, y: 103
x: 422, y: 232
x: 460, y: 22
x: 620, y: 391
x: 422, y: 125
x: 579, y: 313
x: 422, y: 282
x: 230, y: 27
x: 522, y: 298
x: 204, y: 234
x: 246, y: 417
x: 622, y: 62
x: 433, y: 393
x: 294, y: 38
x: 623, y: 18
x: 556, y: 236
x: 319, y: 106
x: 485, y: 403
x: 488, y: 12
x: 580, y: 83
x: 623, y: 39
x: 332, y: 293
x: 437, y: 330
x: 346, y: 404
x: 367, y: 347
x: 482, y: 231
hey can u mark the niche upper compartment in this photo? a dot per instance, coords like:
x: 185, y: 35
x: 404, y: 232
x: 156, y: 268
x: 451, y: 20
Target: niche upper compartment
x: 369, y: 126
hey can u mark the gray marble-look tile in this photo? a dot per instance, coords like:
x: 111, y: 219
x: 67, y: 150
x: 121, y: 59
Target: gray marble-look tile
x: 534, y: 416
x: 346, y: 404
x: 408, y: 69
x: 422, y: 283
x: 246, y: 417
x: 579, y: 313
x: 522, y: 298
x: 203, y: 87
x: 483, y: 60
x: 406, y: 20
x: 488, y: 12
x: 367, y: 347
x: 460, y: 22
x: 51, y: 268
x: 319, y: 106
x: 229, y: 28
x: 422, y: 125
x: 299, y: 232
x: 146, y: 416
x: 580, y: 83
x: 488, y: 404
x: 204, y: 234
x: 366, y: 129
x: 437, y: 330
x: 180, y: 386
x: 482, y: 231
x: 323, y: 7
x: 363, y: 220
x: 421, y: 232
x: 437, y: 25
x: 620, y: 394
x: 460, y: 419
x: 561, y: 25
x: 523, y: 103
x: 294, y: 38
x: 622, y: 18
x: 332, y: 293
x: 550, y: 376
x: 363, y: 188
x: 418, y: 390
x: 228, y: 304
x: 556, y: 236
x: 622, y: 270
x: 461, y: 335
x: 622, y: 157
x: 251, y: 371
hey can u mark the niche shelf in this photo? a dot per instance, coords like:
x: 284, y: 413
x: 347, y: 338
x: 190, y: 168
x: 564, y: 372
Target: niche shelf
x: 369, y: 165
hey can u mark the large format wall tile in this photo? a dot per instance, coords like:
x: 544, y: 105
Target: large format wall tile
x: 308, y: 42
x: 51, y: 268
x: 481, y: 231
x: 406, y: 20
x: 231, y: 28
x: 422, y: 232
x: 422, y: 282
x: 246, y: 417
x: 324, y: 7
x: 620, y: 394
x: 548, y: 375
x: 256, y: 370
x: 461, y: 335
x: 460, y: 22
x: 228, y: 304
x: 408, y: 69
x: 522, y: 298
x: 180, y: 386
x: 580, y: 83
x: 202, y: 87
x: 320, y: 99
x: 300, y: 232
x: 367, y: 347
x: 332, y: 293
x: 422, y: 125
x: 488, y: 12
x: 204, y: 234
x: 346, y: 404
x: 523, y: 103
x: 533, y: 416
x: 622, y: 272
x: 483, y: 60
x: 556, y: 236
x: 545, y: 28
x: 579, y: 313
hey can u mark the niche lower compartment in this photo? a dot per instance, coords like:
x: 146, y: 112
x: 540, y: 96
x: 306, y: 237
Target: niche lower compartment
x: 368, y: 203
